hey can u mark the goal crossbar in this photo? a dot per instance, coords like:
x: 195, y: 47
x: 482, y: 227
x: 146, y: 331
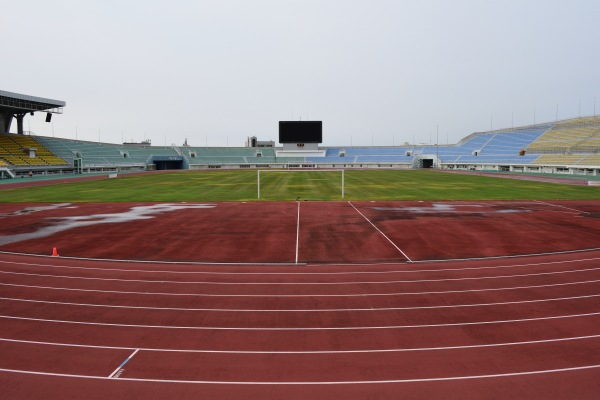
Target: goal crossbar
x: 298, y: 170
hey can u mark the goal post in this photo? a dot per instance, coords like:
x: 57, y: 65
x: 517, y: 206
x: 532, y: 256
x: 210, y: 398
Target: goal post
x: 293, y: 171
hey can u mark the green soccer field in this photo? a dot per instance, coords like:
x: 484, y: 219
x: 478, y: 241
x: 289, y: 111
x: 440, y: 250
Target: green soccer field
x: 312, y: 185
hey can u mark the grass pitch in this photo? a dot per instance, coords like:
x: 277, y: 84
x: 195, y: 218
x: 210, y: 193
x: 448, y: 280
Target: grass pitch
x: 313, y: 185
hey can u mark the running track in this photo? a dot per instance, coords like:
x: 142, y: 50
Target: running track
x: 507, y: 327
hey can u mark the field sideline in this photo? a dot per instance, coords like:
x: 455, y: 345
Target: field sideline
x: 305, y: 185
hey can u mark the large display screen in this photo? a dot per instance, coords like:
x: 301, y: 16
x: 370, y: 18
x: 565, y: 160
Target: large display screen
x: 300, y: 131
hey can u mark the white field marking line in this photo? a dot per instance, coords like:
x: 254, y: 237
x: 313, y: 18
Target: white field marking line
x: 123, y: 363
x: 383, y: 234
x: 269, y: 383
x: 304, y: 295
x: 283, y: 329
x: 401, y: 350
x: 297, y: 232
x: 242, y: 310
x: 449, y: 260
x: 298, y: 283
x: 560, y: 206
x: 254, y: 264
x: 251, y: 264
x: 507, y: 256
x: 411, y: 271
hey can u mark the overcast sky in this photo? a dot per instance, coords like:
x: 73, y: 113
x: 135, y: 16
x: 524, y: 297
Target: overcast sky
x: 375, y: 72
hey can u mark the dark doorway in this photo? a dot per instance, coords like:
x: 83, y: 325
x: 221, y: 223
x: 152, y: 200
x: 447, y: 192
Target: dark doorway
x: 427, y: 163
x: 163, y: 165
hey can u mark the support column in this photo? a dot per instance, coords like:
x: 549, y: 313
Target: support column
x: 19, y: 118
x: 5, y: 121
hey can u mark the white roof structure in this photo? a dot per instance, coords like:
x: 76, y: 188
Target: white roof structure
x: 26, y: 103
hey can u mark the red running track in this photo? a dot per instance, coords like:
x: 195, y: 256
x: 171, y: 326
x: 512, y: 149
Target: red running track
x: 525, y: 327
x: 355, y: 312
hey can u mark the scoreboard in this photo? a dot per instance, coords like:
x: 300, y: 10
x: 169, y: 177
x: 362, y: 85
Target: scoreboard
x: 300, y: 131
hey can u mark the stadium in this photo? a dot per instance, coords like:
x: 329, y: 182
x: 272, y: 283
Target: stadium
x: 566, y: 147
x: 416, y: 271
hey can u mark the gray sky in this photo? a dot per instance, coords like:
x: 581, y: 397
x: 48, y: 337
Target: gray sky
x: 375, y: 72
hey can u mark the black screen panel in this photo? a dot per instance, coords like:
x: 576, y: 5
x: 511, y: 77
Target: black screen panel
x: 300, y: 131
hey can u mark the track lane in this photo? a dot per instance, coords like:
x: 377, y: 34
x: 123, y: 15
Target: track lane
x: 565, y: 384
x: 65, y: 360
x: 370, y: 320
x: 311, y: 340
x: 313, y: 303
x: 363, y: 366
x: 306, y: 288
x: 249, y: 270
x: 290, y: 274
x: 285, y: 368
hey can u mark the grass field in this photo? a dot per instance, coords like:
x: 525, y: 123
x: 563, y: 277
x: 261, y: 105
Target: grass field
x: 313, y: 185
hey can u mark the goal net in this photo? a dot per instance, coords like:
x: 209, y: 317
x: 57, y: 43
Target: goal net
x: 300, y: 184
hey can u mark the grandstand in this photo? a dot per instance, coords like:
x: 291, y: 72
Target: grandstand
x: 581, y: 134
x: 25, y: 151
x: 590, y: 160
x: 567, y: 147
x: 105, y: 156
x: 559, y: 159
x: 20, y: 153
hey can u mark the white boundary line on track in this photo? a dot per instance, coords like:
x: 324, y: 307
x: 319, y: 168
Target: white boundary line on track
x: 379, y: 230
x: 410, y: 271
x: 276, y: 264
x: 313, y: 310
x: 296, y: 283
x: 561, y: 206
x: 250, y: 264
x: 510, y: 256
x: 451, y: 378
x: 401, y: 350
x: 304, y: 295
x: 340, y: 328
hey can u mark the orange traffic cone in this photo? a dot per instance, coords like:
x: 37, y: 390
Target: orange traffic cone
x: 54, y: 252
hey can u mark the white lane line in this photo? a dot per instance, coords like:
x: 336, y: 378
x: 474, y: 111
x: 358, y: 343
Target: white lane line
x: 297, y: 232
x: 243, y: 273
x: 401, y: 350
x: 269, y: 383
x: 116, y: 371
x: 383, y: 234
x: 560, y: 206
x: 299, y: 283
x: 154, y: 262
x: 510, y: 256
x: 320, y: 328
x: 312, y: 310
x: 277, y: 264
x: 305, y: 295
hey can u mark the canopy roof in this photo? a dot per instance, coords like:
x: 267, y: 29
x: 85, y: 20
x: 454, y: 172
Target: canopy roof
x: 24, y: 103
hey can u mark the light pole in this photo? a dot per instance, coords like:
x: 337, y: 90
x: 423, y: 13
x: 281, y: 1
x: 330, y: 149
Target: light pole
x: 437, y: 145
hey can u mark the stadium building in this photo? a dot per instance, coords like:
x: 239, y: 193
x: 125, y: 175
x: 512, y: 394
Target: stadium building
x: 562, y: 147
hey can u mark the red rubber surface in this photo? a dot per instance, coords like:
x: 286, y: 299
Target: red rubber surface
x: 517, y: 327
x: 324, y: 232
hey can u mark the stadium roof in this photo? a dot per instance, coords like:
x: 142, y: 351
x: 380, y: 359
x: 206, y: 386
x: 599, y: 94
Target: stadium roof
x: 24, y: 103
